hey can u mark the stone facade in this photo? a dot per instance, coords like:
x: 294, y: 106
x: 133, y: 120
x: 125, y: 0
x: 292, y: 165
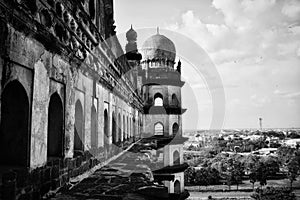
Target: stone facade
x: 66, y: 104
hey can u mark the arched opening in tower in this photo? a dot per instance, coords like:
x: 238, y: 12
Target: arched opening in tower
x: 158, y: 99
x: 158, y: 129
x: 78, y: 129
x: 175, y: 128
x: 174, y: 100
x: 14, y: 131
x: 177, y: 187
x: 55, y: 127
x: 176, y: 158
x: 94, y: 135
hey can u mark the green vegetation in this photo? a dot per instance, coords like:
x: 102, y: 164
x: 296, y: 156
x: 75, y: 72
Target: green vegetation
x: 271, y: 193
x: 214, y: 167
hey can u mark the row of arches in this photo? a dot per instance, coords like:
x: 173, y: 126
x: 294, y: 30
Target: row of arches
x: 15, y: 126
x: 159, y: 99
x: 122, y: 126
x: 159, y: 128
x: 15, y: 129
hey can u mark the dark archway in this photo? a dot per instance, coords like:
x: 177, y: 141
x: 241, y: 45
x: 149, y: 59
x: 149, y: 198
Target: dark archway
x: 134, y: 127
x: 106, y: 131
x: 176, y: 158
x: 158, y: 129
x: 158, y: 99
x: 14, y: 131
x: 78, y: 129
x: 127, y: 125
x: 175, y: 128
x: 94, y: 135
x: 114, y: 128
x: 106, y: 125
x: 55, y: 144
x: 119, y: 128
x: 124, y: 128
x: 92, y: 9
x: 177, y: 187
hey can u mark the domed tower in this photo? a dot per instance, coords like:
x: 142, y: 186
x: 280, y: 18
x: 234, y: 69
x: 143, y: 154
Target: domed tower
x: 161, y: 92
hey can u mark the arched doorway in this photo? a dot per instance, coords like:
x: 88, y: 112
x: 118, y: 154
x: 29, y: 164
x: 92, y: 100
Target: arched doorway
x: 78, y: 129
x: 124, y: 128
x: 14, y: 131
x: 55, y: 127
x: 175, y: 128
x: 114, y: 130
x: 134, y: 127
x: 119, y: 128
x: 94, y: 135
x: 158, y: 129
x: 106, y: 131
x: 176, y: 158
x: 177, y: 187
x: 158, y: 99
x: 127, y: 125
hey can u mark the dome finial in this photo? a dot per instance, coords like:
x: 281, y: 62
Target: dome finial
x: 131, y: 26
x: 157, y: 30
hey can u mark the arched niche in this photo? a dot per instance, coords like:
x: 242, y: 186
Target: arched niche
x: 114, y: 128
x: 176, y: 158
x: 79, y: 127
x: 14, y: 127
x: 175, y: 129
x: 94, y: 135
x: 55, y: 144
x: 177, y: 187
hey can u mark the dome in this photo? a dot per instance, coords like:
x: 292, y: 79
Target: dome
x: 159, y: 47
x: 131, y: 34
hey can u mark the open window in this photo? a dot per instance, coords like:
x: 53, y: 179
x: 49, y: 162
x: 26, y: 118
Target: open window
x: 158, y: 99
x: 158, y: 129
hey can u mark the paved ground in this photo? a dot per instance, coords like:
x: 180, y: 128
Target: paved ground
x: 124, y: 175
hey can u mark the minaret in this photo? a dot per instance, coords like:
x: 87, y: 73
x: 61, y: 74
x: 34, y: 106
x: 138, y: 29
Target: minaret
x: 163, y: 109
x: 131, y: 46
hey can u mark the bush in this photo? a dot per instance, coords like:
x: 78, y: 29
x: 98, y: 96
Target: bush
x: 271, y: 193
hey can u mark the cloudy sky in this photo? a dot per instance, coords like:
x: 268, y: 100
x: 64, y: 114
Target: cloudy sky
x: 253, y: 44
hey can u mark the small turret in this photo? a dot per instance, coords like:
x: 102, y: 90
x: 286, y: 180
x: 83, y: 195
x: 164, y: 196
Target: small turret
x: 179, y: 67
x: 131, y: 46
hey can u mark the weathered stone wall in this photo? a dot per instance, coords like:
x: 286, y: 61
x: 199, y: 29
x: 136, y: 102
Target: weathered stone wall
x: 43, y: 71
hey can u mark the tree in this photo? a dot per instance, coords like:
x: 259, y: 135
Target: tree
x: 272, y: 165
x: 293, y: 169
x: 237, y: 170
x: 261, y: 173
x: 189, y: 175
x: 285, y: 154
x: 202, y: 177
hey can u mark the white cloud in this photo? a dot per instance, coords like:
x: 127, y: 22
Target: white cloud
x: 254, y: 48
x: 291, y: 9
x: 289, y: 95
